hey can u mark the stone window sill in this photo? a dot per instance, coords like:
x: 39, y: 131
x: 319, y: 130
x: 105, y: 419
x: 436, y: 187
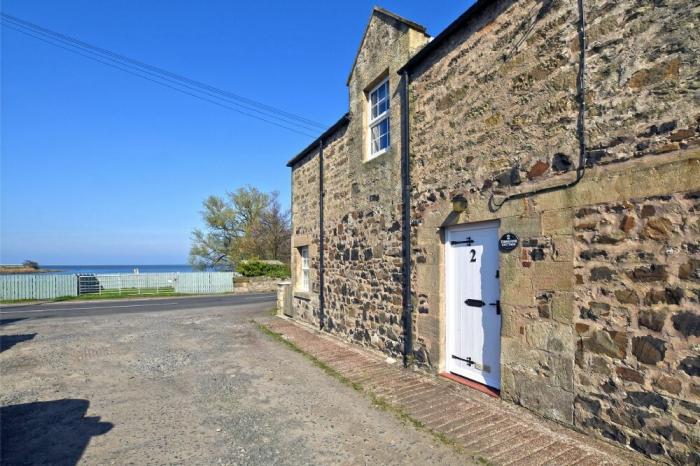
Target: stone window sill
x: 302, y: 295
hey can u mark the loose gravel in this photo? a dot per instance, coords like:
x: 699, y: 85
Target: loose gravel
x: 185, y: 387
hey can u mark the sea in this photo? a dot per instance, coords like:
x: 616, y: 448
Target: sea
x: 108, y: 269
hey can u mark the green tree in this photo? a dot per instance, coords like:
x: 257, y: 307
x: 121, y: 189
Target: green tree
x: 31, y: 264
x: 245, y: 224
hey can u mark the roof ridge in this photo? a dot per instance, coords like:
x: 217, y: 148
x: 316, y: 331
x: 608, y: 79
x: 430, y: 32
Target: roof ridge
x: 377, y: 9
x: 407, y: 22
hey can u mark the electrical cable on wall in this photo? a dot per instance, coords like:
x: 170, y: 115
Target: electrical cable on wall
x: 580, y: 122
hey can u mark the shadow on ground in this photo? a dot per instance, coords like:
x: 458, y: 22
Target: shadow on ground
x: 8, y: 341
x: 9, y: 321
x: 47, y: 432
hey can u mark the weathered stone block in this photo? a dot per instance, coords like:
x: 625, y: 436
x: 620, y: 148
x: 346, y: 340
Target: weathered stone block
x: 629, y: 416
x: 690, y: 270
x: 590, y: 254
x: 510, y: 321
x: 561, y: 372
x: 557, y: 222
x: 553, y: 276
x: 647, y: 400
x: 550, y: 337
x: 627, y: 296
x: 524, y: 227
x: 563, y: 307
x: 606, y: 429
x: 519, y: 356
x: 561, y: 163
x: 538, y: 169
x: 656, y: 74
x: 563, y: 248
x: 668, y: 295
x: 648, y: 349
x: 599, y: 274
x: 587, y: 404
x: 516, y: 287
x: 551, y: 402
x: 648, y: 210
x: 651, y: 273
x: 682, y: 134
x: 669, y: 384
x: 648, y: 447
x: 653, y: 320
x: 687, y: 323
x: 658, y: 228
x: 613, y: 344
x: 628, y: 223
x: 629, y: 375
x: 690, y: 365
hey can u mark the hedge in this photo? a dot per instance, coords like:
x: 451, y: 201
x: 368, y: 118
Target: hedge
x: 253, y: 268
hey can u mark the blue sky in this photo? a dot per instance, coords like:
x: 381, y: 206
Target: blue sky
x: 101, y: 167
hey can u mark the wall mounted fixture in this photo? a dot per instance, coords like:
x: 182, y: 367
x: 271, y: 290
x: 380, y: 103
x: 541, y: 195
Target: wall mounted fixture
x: 459, y: 203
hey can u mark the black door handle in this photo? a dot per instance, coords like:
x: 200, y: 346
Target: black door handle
x: 474, y: 302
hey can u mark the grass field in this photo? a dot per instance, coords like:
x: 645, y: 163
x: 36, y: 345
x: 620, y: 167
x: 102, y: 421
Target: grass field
x: 107, y: 294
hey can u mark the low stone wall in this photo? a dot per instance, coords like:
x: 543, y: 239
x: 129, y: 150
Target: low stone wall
x: 255, y: 285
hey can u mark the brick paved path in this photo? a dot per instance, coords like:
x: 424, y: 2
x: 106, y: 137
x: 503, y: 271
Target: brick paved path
x: 499, y: 432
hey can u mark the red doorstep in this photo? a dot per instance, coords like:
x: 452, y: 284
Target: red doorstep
x: 471, y: 384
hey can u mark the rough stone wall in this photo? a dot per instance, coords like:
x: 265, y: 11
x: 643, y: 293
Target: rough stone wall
x: 637, y: 367
x: 255, y: 285
x: 363, y: 248
x: 496, y: 106
x: 305, y: 230
x: 362, y: 202
x: 494, y: 111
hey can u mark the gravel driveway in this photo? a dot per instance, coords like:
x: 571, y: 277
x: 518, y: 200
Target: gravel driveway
x: 185, y: 387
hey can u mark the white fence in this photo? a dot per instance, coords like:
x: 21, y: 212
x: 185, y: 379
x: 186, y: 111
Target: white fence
x: 17, y: 287
x: 204, y: 282
x: 127, y: 283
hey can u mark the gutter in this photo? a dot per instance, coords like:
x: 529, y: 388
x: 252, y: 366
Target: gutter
x: 345, y: 119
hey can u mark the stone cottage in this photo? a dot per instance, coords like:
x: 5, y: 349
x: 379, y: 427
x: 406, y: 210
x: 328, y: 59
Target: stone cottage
x: 516, y: 201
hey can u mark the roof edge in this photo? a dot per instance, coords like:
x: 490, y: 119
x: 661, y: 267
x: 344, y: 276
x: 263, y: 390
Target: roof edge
x: 335, y: 127
x: 438, y: 40
x: 377, y: 9
x: 406, y: 21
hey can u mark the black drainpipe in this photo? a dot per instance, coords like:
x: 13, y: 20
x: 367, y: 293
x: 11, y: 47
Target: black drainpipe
x: 321, y: 238
x: 406, y: 236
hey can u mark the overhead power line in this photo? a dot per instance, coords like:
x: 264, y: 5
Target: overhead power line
x: 174, y: 81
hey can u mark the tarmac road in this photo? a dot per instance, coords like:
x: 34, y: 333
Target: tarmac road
x: 128, y: 306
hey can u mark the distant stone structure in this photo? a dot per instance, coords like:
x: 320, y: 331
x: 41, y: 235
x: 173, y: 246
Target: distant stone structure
x: 592, y: 160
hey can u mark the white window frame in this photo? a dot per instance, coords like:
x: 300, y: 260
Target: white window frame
x: 379, y: 119
x: 304, y: 279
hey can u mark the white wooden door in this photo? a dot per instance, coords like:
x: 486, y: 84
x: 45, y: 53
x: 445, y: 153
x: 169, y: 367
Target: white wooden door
x: 473, y: 324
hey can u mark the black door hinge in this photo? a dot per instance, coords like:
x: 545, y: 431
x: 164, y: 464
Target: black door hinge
x: 468, y: 360
x: 474, y: 302
x: 469, y: 241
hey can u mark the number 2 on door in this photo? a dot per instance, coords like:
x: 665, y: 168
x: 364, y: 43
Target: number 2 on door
x: 473, y: 253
